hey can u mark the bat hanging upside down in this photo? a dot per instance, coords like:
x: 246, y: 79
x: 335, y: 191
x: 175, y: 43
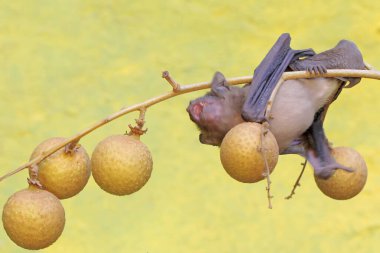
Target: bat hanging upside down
x: 298, y: 110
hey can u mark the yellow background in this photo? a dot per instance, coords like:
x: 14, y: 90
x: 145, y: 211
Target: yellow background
x: 66, y: 64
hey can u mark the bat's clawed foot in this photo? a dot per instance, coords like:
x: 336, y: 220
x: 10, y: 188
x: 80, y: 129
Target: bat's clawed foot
x: 316, y: 70
x: 327, y: 171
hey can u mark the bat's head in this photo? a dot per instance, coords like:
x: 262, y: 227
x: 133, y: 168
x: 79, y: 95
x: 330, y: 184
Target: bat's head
x: 218, y: 111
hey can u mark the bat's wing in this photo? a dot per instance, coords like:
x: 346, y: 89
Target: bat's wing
x: 266, y: 76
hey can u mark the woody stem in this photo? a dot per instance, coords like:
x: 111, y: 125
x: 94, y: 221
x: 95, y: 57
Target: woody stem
x: 182, y: 89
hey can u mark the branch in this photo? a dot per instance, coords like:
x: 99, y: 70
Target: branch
x: 371, y: 73
x: 297, y: 183
x: 182, y: 89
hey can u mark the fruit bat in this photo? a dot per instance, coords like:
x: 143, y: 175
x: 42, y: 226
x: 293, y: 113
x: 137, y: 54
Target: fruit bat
x: 298, y: 110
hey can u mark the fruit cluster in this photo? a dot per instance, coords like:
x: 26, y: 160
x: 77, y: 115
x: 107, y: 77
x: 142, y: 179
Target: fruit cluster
x: 249, y: 153
x: 34, y: 218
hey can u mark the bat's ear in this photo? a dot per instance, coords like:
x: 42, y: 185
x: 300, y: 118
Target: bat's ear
x: 219, y: 84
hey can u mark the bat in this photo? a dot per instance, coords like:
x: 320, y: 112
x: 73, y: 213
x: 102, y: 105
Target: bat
x: 298, y: 110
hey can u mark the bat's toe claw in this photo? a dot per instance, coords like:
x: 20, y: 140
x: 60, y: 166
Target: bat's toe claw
x: 316, y: 70
x: 310, y: 70
x: 321, y: 70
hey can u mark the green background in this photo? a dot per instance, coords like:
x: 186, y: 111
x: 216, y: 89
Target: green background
x: 66, y: 64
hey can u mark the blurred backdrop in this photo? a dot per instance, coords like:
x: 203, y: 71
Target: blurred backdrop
x: 66, y: 64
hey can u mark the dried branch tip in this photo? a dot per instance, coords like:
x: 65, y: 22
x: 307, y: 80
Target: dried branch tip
x: 176, y: 86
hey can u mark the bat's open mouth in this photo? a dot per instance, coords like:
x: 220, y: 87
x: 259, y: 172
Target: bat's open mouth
x: 195, y: 110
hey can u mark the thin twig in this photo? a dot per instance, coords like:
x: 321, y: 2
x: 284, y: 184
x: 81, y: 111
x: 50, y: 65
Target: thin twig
x: 271, y: 99
x: 263, y: 150
x: 373, y: 74
x: 297, y: 183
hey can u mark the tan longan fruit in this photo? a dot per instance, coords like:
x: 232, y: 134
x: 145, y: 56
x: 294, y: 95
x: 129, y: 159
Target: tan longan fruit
x: 342, y: 184
x: 33, y: 218
x: 241, y: 156
x: 63, y: 174
x: 121, y: 164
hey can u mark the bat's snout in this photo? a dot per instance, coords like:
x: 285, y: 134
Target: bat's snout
x: 195, y: 109
x: 188, y: 109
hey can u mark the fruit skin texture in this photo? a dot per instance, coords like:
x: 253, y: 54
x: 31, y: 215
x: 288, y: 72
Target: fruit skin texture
x: 240, y: 152
x: 121, y: 164
x: 342, y: 184
x: 63, y: 174
x: 33, y: 218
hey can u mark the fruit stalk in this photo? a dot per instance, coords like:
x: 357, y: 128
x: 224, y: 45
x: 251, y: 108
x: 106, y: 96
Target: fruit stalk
x: 182, y: 89
x: 264, y: 131
x: 138, y: 130
x: 297, y: 183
